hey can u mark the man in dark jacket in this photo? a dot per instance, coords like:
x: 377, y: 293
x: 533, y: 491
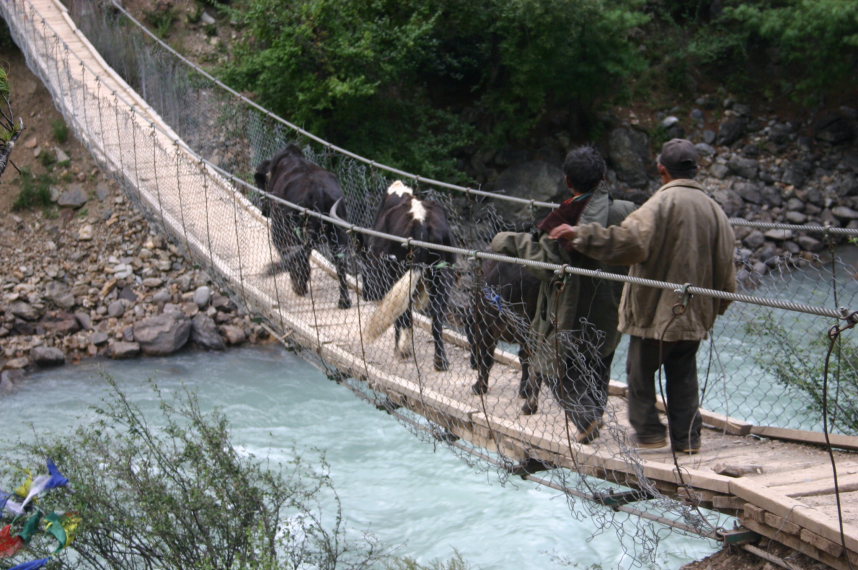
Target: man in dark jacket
x: 574, y: 332
x: 679, y: 235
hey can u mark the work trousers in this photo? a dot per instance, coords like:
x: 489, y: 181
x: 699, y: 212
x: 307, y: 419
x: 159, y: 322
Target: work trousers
x: 679, y: 358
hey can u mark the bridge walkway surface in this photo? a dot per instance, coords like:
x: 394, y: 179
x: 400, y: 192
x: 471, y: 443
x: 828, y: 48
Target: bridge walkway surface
x: 778, y: 482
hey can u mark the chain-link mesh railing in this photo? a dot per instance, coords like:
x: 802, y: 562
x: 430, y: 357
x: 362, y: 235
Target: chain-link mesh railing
x: 430, y: 326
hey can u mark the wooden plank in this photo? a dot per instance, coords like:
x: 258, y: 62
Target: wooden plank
x: 797, y: 544
x: 845, y: 484
x: 792, y: 510
x: 801, y: 436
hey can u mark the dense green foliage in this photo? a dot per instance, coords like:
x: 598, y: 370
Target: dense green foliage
x: 419, y: 82
x: 816, y: 40
x: 424, y: 84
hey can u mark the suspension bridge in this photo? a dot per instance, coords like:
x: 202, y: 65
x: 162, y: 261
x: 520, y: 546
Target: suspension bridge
x: 795, y: 486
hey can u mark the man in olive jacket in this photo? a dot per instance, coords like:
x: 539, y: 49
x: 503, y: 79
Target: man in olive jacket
x: 679, y: 235
x: 573, y: 335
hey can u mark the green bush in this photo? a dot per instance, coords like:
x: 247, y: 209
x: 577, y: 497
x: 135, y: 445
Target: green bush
x: 420, y: 83
x: 800, y: 364
x: 182, y: 496
x: 60, y: 130
x: 35, y: 191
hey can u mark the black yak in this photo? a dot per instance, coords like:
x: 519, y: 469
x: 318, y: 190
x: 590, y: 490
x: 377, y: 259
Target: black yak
x: 503, y: 303
x: 292, y: 177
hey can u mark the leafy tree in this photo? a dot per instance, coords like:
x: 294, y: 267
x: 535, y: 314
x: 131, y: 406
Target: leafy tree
x: 418, y: 83
x: 809, y: 46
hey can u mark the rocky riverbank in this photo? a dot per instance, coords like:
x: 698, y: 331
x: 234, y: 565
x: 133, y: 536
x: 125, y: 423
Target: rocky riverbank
x: 87, y: 275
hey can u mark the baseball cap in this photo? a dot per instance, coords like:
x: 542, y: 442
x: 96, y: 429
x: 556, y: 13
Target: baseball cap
x: 678, y: 155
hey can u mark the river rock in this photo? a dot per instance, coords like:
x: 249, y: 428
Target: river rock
x: 116, y: 309
x: 60, y: 322
x: 8, y: 379
x: 83, y: 319
x: 162, y: 334
x: 844, y: 213
x: 99, y: 338
x: 744, y: 167
x: 204, y: 332
x: 749, y: 192
x: 122, y: 349
x: 202, y: 296
x: 629, y: 155
x: 47, y: 356
x: 233, y: 334
x: 24, y: 310
x: 754, y: 239
x: 835, y: 126
x: 74, y: 196
x: 59, y: 294
x: 534, y: 180
x: 731, y: 130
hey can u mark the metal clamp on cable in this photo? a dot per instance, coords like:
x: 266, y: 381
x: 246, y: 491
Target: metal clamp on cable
x: 679, y: 308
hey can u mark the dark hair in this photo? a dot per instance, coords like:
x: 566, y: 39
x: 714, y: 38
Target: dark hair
x: 584, y: 168
x: 686, y: 173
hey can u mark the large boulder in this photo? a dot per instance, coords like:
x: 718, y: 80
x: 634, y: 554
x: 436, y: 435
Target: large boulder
x: 162, y: 334
x: 535, y: 180
x: 204, y: 332
x: 629, y: 156
x: 47, y: 356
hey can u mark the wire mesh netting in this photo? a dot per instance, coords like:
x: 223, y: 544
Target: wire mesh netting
x: 418, y: 318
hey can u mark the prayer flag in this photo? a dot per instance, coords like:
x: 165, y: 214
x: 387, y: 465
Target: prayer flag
x: 9, y: 545
x: 30, y: 527
x: 55, y: 527
x: 32, y: 565
x: 46, y: 482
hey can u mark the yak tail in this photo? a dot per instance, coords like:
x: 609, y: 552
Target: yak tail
x: 393, y: 304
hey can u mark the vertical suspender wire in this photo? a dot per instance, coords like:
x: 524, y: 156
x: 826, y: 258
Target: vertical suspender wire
x: 355, y: 245
x: 133, y: 120
x: 410, y: 309
x: 152, y: 138
x: 237, y: 240
x: 205, y: 176
x: 273, y: 262
x: 71, y: 88
x: 506, y: 463
x: 176, y: 153
x: 834, y: 340
x: 117, y: 146
x: 304, y: 237
x: 86, y: 125
x: 101, y: 130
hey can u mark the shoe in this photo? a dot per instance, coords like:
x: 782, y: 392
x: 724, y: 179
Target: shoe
x: 589, y: 433
x: 651, y: 442
x: 691, y: 449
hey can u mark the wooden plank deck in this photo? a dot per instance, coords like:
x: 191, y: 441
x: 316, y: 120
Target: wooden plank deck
x: 775, y: 484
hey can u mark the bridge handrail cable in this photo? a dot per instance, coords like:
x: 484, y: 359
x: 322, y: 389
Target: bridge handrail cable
x: 679, y: 288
